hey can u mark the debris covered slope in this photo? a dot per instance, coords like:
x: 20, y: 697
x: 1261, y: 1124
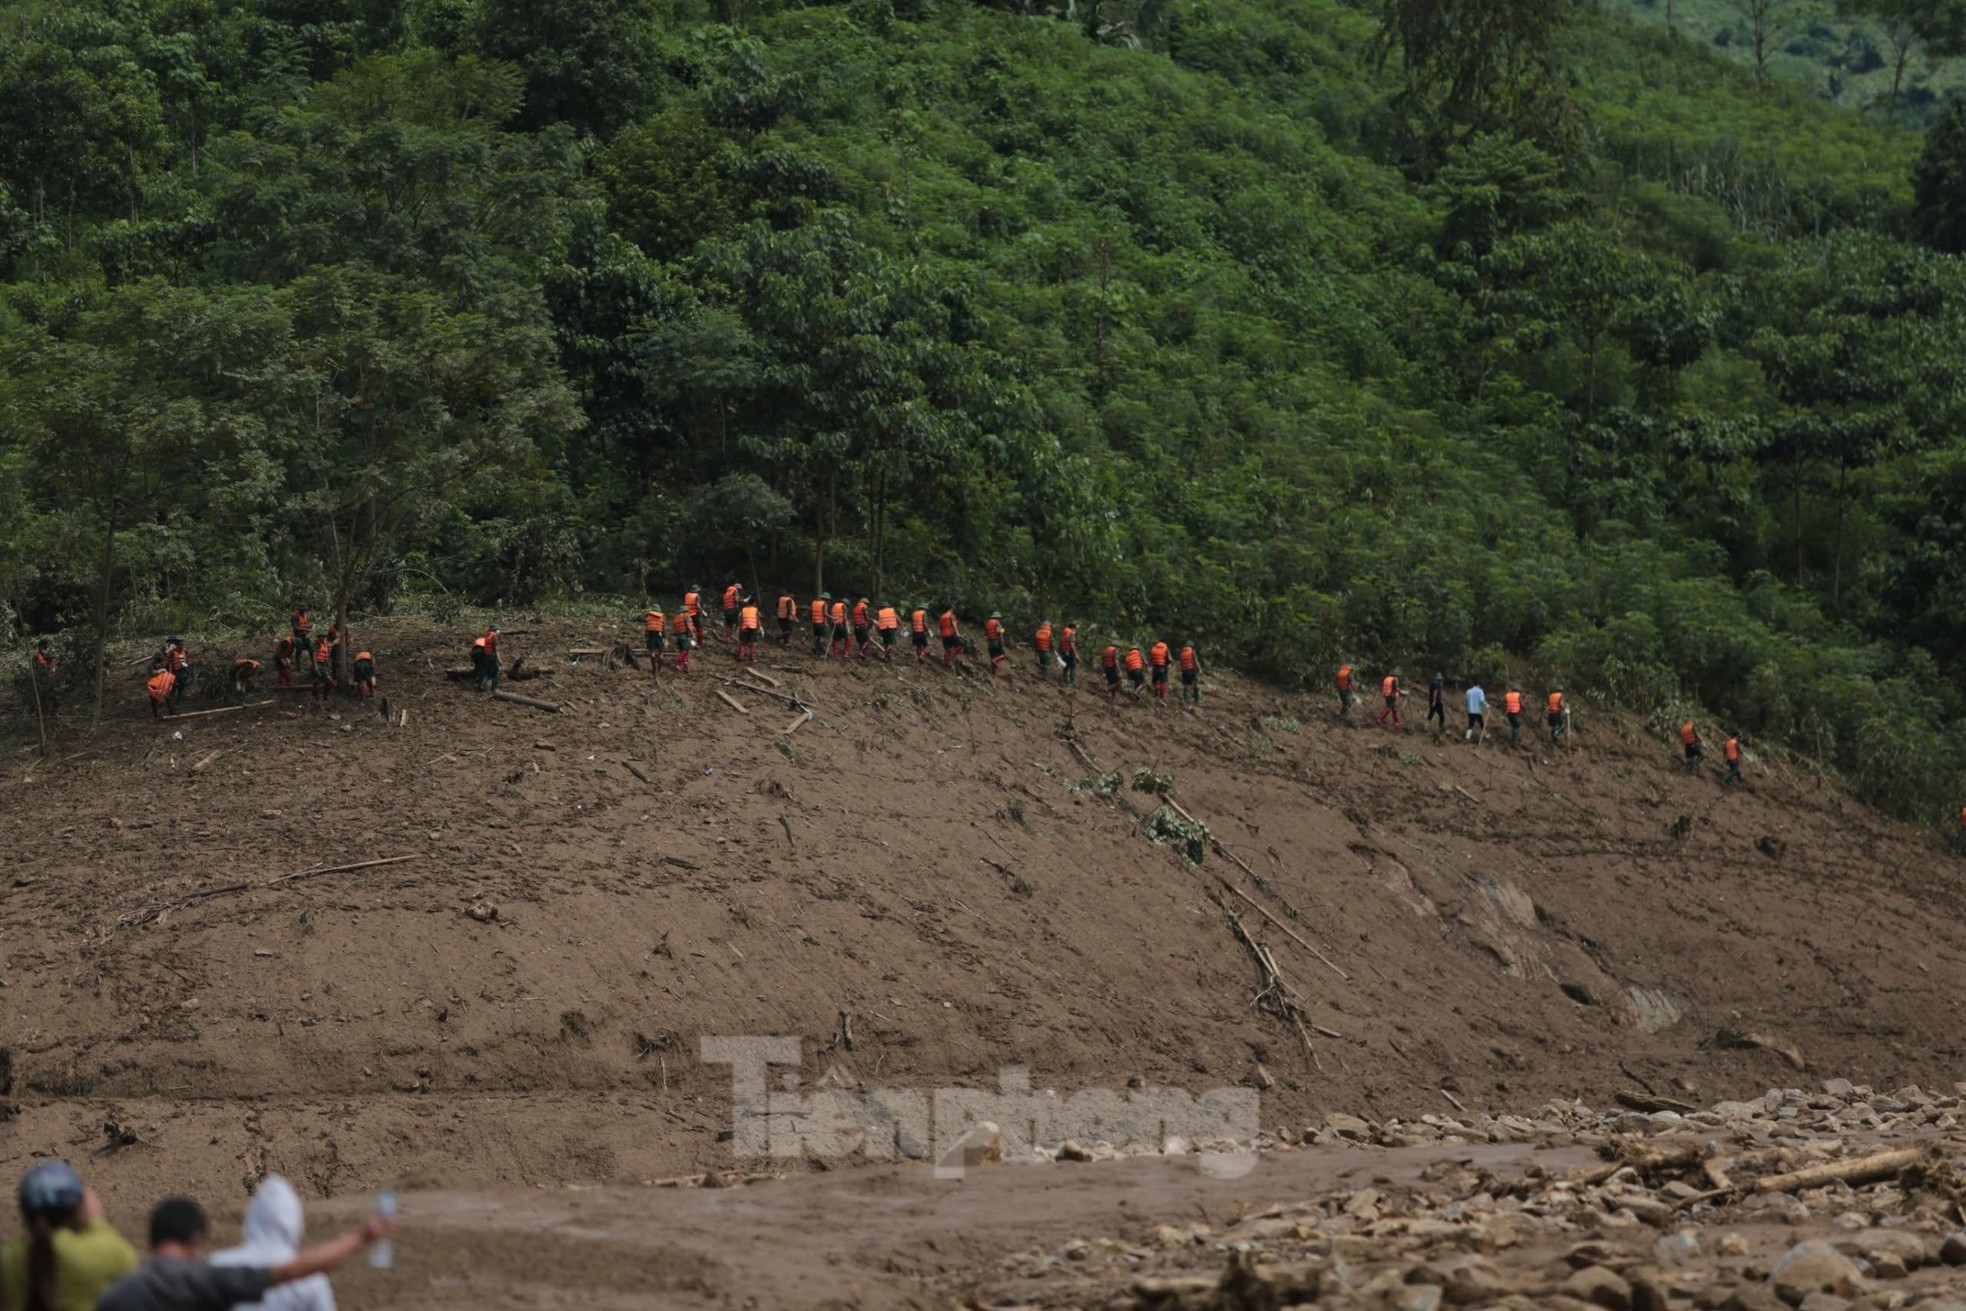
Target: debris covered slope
x: 936, y: 875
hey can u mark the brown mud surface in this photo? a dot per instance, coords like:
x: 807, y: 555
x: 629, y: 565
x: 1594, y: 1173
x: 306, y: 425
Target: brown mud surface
x: 522, y: 1003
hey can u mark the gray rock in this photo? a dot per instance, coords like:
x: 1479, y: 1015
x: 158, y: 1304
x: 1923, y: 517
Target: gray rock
x: 1349, y: 1126
x: 1417, y: 1297
x: 1813, y: 1267
x: 1825, y: 1302
x: 1839, y: 1088
x: 1597, y: 1285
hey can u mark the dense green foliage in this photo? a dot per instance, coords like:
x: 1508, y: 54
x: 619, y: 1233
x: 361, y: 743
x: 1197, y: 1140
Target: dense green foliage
x: 1242, y: 321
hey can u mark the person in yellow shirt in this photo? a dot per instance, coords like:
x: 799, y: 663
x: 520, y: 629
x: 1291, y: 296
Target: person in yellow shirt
x: 69, y: 1254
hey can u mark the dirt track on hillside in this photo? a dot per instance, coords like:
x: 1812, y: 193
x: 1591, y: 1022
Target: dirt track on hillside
x: 1510, y: 925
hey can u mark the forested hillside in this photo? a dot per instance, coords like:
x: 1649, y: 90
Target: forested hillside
x: 1490, y: 335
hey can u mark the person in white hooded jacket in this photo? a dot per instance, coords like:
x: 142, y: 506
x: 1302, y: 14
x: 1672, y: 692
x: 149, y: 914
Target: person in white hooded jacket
x: 273, y: 1229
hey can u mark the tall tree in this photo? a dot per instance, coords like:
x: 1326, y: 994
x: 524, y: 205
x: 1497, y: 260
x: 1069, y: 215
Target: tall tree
x: 1475, y: 65
x: 1768, y: 23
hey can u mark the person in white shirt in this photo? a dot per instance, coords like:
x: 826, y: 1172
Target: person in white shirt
x: 273, y: 1230
x: 1477, y: 714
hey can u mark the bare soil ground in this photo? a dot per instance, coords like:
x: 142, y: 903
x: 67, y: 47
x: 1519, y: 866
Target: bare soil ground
x: 1501, y: 926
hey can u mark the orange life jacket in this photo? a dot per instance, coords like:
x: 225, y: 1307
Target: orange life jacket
x: 1111, y: 659
x: 43, y: 665
x: 680, y: 624
x: 1044, y: 637
x: 1556, y: 703
x: 887, y: 620
x: 160, y: 684
x: 692, y: 604
x: 1389, y: 686
x: 948, y: 623
x: 1158, y: 655
x: 730, y: 597
x: 859, y: 614
x: 1069, y: 643
x: 818, y: 611
x: 283, y: 649
x: 1688, y: 735
x: 363, y: 655
x: 1733, y: 748
x: 993, y: 629
x: 302, y: 624
x: 491, y: 643
x: 918, y: 620
x: 653, y: 621
x: 787, y: 607
x: 1512, y: 703
x: 1188, y: 660
x: 478, y: 645
x: 175, y: 659
x: 247, y: 665
x: 1133, y: 660
x: 839, y: 614
x: 1345, y: 678
x: 322, y: 651
x: 748, y: 617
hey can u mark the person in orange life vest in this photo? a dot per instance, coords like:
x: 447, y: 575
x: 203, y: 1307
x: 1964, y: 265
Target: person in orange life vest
x: 842, y: 635
x: 1512, y: 707
x: 993, y: 639
x: 819, y: 623
x: 952, y: 636
x: 1043, y: 642
x: 178, y: 661
x: 748, y: 622
x: 918, y: 632
x: 733, y: 603
x: 244, y: 671
x: 1136, y: 671
x: 283, y: 661
x: 655, y: 629
x: 679, y: 628
x: 363, y: 672
x: 1696, y: 751
x: 324, y: 667
x: 1557, y: 715
x: 788, y: 615
x: 863, y: 625
x: 1732, y: 750
x: 42, y: 670
x: 887, y: 621
x: 159, y: 689
x: 1110, y: 661
x: 1345, y: 692
x: 1390, y: 689
x: 1190, y: 674
x: 303, y: 629
x: 1157, y: 657
x: 487, y: 659
x: 693, y: 610
x: 1068, y: 654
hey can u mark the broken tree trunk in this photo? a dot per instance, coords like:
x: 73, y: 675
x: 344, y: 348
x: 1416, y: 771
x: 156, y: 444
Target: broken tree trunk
x: 732, y: 702
x: 779, y: 696
x: 634, y: 769
x: 457, y: 673
x: 1863, y: 1170
x: 548, y: 706
x: 575, y: 652
x: 799, y: 722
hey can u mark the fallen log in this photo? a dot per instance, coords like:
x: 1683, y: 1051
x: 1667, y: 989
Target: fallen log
x: 145, y: 917
x: 218, y: 710
x: 1638, y: 1101
x: 199, y: 767
x: 576, y: 652
x: 634, y: 769
x: 766, y: 679
x: 779, y: 696
x: 804, y: 716
x: 456, y: 673
x: 548, y: 706
x: 1862, y: 1170
x: 732, y: 702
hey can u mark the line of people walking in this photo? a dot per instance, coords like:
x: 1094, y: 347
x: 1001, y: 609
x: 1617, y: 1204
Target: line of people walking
x: 844, y: 628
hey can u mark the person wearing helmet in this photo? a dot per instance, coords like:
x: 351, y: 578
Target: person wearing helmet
x: 69, y: 1254
x: 693, y: 607
x: 1190, y: 662
x: 174, y: 1279
x: 1044, y: 640
x: 863, y: 625
x: 993, y: 635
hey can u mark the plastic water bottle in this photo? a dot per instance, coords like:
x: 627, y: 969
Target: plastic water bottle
x: 383, y: 1255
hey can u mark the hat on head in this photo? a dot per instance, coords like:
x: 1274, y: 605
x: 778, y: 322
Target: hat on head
x: 50, y: 1187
